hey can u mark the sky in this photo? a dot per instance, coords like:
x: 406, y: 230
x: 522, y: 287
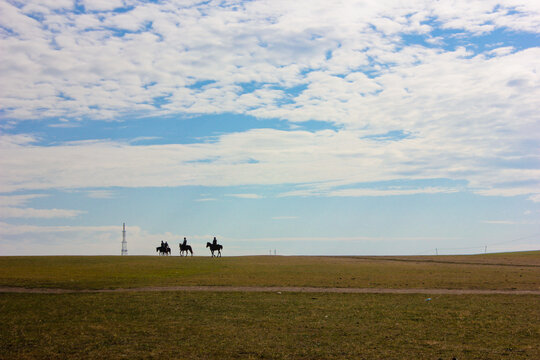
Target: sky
x: 300, y: 127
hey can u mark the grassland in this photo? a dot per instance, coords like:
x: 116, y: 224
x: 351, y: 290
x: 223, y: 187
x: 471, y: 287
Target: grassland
x: 212, y: 325
x: 236, y: 325
x: 519, y: 271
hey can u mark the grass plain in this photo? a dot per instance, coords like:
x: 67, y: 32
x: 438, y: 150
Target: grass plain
x: 519, y: 271
x: 209, y: 325
x: 235, y: 325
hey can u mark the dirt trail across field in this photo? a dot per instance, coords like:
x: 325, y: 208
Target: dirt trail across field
x: 274, y: 289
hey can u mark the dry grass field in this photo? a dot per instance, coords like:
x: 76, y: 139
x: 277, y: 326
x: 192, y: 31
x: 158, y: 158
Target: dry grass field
x: 270, y: 325
x: 495, y: 271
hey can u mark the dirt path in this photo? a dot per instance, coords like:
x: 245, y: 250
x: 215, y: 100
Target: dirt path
x: 276, y: 290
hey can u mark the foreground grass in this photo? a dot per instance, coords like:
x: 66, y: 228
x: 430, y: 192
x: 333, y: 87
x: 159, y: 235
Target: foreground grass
x: 511, y: 271
x: 268, y: 325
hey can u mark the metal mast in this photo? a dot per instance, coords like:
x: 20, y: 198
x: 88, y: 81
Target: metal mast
x: 124, y: 242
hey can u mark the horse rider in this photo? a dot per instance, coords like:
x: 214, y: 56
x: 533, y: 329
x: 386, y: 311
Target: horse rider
x: 163, y: 245
x: 166, y: 245
x: 184, y: 243
x: 214, y: 242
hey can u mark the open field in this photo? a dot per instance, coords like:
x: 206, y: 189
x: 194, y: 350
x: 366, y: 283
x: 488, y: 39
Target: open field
x: 221, y: 324
x: 520, y: 271
x: 209, y: 325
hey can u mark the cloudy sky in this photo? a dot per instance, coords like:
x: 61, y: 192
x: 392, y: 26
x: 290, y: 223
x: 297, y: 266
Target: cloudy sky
x: 309, y: 127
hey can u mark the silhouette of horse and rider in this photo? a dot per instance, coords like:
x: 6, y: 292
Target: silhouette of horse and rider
x: 164, y: 249
x: 184, y: 247
x: 214, y: 246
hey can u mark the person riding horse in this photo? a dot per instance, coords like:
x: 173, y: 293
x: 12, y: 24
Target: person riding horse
x: 214, y: 246
x: 164, y: 248
x: 185, y: 247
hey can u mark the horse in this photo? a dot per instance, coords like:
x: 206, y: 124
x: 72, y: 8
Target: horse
x: 214, y: 248
x: 163, y: 250
x: 185, y: 248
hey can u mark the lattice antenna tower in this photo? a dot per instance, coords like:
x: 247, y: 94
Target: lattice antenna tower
x: 124, y: 242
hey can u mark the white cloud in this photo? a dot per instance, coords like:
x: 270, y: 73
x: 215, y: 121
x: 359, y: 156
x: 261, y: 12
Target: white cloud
x: 64, y: 125
x: 17, y: 200
x: 245, y: 196
x: 510, y: 222
x: 59, y: 68
x: 500, y: 222
x: 502, y: 51
x: 390, y: 192
x: 323, y: 160
x: 10, y: 229
x: 102, y: 5
x: 471, y: 117
x: 14, y: 212
x: 11, y: 207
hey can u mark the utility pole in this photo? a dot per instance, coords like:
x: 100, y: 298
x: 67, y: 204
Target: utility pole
x: 124, y: 242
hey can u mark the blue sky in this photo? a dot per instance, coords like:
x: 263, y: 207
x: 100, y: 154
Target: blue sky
x: 357, y: 128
